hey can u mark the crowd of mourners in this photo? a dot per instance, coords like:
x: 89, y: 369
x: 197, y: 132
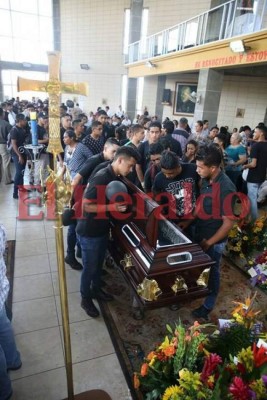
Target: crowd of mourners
x: 166, y: 161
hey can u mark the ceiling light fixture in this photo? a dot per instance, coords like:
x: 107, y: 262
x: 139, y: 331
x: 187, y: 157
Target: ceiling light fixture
x: 238, y: 46
x: 149, y: 64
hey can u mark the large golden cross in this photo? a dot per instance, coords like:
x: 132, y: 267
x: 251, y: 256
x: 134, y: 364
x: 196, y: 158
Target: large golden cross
x: 54, y: 88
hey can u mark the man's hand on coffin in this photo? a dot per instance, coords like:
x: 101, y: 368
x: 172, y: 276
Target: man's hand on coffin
x: 205, y: 245
x: 184, y: 224
x: 119, y: 207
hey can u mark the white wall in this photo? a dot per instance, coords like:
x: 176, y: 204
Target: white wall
x: 245, y: 93
x: 150, y: 94
x: 164, y: 14
x: 92, y: 33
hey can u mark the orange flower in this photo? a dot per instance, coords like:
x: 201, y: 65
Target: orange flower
x: 136, y: 381
x: 151, y: 355
x: 188, y: 338
x: 144, y: 369
x: 169, y: 351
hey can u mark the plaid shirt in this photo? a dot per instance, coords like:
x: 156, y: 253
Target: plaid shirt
x: 4, y: 284
x: 75, y: 158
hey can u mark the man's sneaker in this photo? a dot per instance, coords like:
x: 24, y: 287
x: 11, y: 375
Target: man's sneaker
x: 99, y: 294
x: 73, y: 263
x: 90, y: 308
x: 79, y: 252
x: 201, y: 313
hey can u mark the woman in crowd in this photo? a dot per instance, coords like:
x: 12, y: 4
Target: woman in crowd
x: 237, y: 156
x: 190, y: 152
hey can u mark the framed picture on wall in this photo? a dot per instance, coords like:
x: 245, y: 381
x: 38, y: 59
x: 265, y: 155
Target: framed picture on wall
x: 185, y: 98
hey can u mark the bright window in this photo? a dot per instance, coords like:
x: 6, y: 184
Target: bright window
x: 139, y: 95
x: 124, y: 88
x: 127, y: 16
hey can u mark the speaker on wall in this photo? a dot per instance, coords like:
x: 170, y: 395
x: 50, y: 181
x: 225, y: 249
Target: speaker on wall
x: 166, y: 98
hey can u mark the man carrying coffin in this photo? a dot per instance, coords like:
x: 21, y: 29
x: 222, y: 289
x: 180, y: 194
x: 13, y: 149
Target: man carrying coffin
x: 93, y: 229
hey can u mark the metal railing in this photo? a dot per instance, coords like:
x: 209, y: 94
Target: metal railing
x: 225, y: 21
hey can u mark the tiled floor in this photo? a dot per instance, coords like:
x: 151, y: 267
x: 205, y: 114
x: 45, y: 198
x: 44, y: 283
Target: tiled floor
x: 37, y: 319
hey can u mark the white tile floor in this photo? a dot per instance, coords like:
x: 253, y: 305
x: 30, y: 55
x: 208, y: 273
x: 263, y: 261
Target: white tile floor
x: 37, y: 319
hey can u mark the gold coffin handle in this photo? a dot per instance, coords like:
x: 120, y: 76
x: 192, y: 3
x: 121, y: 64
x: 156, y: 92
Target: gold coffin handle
x: 149, y: 289
x: 179, y: 284
x: 204, y: 278
x: 127, y: 262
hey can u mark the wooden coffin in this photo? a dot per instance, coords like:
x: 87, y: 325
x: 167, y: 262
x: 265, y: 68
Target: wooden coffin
x: 159, y: 262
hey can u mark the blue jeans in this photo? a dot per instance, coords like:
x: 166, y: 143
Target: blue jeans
x: 215, y: 253
x: 253, y: 189
x: 72, y: 240
x: 9, y: 355
x: 18, y: 178
x: 93, y: 256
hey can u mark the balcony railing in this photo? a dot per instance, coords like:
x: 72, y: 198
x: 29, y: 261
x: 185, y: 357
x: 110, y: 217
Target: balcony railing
x: 225, y: 21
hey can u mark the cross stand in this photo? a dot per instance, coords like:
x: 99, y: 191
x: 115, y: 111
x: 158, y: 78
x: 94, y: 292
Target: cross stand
x: 54, y: 87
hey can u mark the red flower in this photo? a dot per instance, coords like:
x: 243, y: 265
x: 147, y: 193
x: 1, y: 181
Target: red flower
x: 260, y: 356
x: 210, y: 365
x: 239, y: 390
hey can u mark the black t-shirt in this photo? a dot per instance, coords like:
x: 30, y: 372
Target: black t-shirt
x: 212, y: 208
x: 150, y: 175
x: 143, y: 150
x: 258, y: 174
x: 183, y: 187
x: 90, y: 165
x: 175, y: 146
x: 19, y: 135
x: 94, y: 225
x: 104, y: 164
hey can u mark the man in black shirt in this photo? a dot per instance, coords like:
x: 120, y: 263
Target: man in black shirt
x: 257, y: 168
x: 178, y: 180
x: 93, y: 230
x: 18, y: 135
x: 110, y: 148
x: 5, y: 158
x: 214, y: 217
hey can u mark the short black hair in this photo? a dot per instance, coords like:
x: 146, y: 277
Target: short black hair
x: 169, y: 160
x: 199, y: 122
x: 155, y: 124
x: 263, y: 129
x: 222, y: 138
x: 20, y: 117
x: 70, y: 133
x: 214, y: 127
x: 95, y: 124
x: 193, y: 142
x: 136, y: 128
x: 127, y: 152
x: 111, y: 141
x: 76, y: 122
x: 169, y: 126
x: 210, y: 155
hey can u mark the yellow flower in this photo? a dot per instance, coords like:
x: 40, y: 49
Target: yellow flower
x: 173, y: 393
x: 189, y: 380
x: 259, y: 388
x: 245, y: 238
x: 246, y: 357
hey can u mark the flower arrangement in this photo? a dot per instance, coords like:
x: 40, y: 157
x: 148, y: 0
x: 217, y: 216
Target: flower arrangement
x: 258, y: 270
x: 244, y: 238
x: 183, y: 367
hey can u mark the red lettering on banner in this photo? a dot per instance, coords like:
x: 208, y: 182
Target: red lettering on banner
x: 232, y: 60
